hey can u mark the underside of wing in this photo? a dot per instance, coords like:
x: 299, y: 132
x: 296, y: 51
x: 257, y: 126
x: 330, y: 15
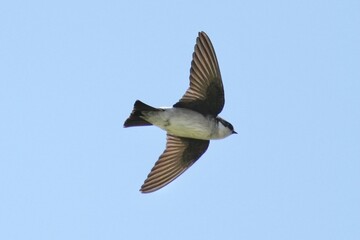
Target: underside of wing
x: 206, y: 92
x: 179, y: 155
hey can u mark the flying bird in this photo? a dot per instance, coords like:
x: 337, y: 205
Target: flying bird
x: 191, y: 122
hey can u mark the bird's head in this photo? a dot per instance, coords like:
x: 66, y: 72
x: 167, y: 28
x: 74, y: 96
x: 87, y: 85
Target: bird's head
x: 225, y: 128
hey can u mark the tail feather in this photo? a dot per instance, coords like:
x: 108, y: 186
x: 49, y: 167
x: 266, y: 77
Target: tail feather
x: 135, y: 117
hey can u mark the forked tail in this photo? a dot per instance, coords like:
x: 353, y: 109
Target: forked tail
x: 135, y: 117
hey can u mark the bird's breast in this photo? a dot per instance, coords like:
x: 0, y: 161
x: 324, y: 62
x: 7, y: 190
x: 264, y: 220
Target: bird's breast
x: 184, y: 123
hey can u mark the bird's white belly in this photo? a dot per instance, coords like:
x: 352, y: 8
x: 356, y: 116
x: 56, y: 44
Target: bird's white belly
x: 181, y: 128
x: 183, y: 123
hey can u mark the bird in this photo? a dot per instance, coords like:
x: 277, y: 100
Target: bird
x: 191, y: 122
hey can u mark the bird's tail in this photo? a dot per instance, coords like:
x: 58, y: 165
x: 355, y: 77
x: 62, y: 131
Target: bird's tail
x: 135, y: 117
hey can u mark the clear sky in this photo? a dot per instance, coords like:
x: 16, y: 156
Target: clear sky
x: 70, y: 72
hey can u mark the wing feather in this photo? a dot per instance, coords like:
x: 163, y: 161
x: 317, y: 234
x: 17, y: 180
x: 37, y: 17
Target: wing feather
x: 206, y: 92
x: 179, y: 155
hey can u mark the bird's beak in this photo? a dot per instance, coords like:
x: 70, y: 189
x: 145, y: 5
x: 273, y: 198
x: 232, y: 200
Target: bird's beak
x: 234, y: 132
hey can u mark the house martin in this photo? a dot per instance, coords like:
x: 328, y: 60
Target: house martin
x: 191, y: 122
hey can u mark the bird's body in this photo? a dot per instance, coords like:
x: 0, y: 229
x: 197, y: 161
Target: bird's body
x: 191, y: 122
x: 187, y: 123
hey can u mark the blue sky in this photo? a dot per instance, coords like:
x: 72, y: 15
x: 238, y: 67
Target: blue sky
x: 71, y: 71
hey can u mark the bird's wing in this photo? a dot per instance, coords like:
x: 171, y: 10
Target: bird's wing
x: 179, y: 155
x: 206, y: 91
